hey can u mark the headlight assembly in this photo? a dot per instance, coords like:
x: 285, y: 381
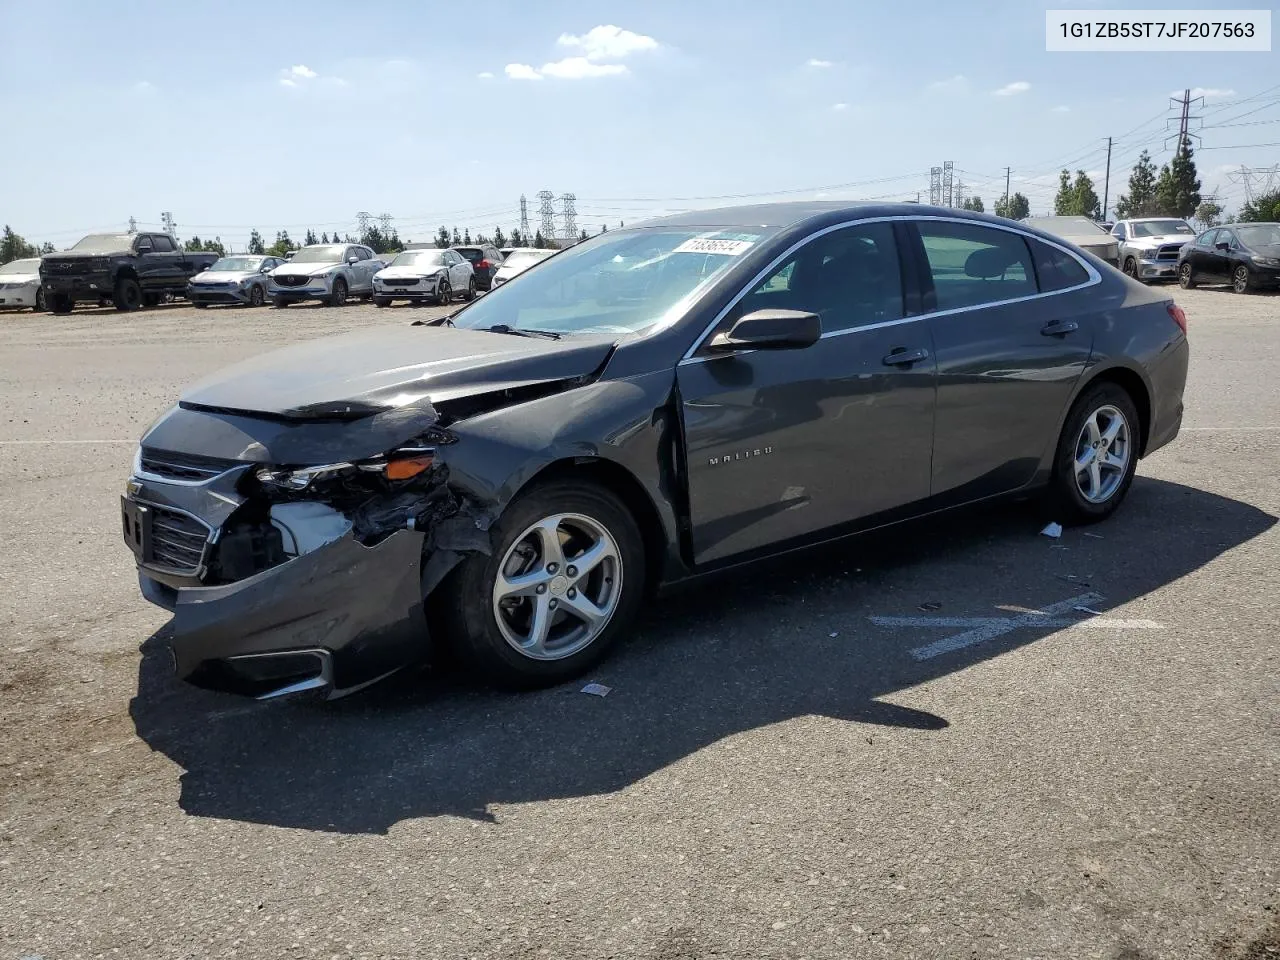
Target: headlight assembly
x: 404, y: 463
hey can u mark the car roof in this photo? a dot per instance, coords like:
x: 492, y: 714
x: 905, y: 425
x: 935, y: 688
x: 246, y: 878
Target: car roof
x: 1243, y: 223
x: 792, y: 213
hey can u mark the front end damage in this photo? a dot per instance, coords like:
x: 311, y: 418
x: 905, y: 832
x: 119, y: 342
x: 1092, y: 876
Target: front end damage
x: 285, y: 577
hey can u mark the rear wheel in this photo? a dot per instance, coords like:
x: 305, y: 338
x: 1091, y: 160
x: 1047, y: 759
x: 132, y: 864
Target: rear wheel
x: 1185, y: 278
x: 127, y: 295
x: 338, y: 296
x: 471, y: 290
x: 61, y: 303
x: 1241, y: 279
x: 1097, y: 455
x: 561, y: 585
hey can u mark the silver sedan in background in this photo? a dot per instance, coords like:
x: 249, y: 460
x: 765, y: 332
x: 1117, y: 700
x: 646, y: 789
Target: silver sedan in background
x: 20, y: 284
x: 241, y: 280
x: 517, y: 261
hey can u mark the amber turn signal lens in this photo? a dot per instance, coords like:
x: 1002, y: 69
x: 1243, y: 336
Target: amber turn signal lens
x: 408, y: 467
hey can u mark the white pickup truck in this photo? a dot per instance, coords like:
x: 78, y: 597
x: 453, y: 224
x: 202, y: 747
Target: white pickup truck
x: 1149, y: 246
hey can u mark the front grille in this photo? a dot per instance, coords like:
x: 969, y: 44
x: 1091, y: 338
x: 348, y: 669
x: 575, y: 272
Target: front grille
x: 67, y: 266
x: 182, y: 466
x: 1169, y: 251
x: 290, y: 281
x: 178, y: 540
x: 401, y: 282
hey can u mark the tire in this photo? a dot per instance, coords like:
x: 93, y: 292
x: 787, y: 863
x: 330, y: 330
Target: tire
x: 471, y: 290
x: 366, y: 297
x: 1098, y: 405
x: 382, y: 301
x: 257, y: 296
x: 1241, y: 279
x: 1186, y: 280
x: 279, y: 302
x: 61, y: 303
x: 338, y: 296
x: 466, y: 608
x: 200, y: 306
x: 40, y: 305
x: 444, y: 294
x: 151, y: 299
x: 127, y: 295
x: 104, y: 301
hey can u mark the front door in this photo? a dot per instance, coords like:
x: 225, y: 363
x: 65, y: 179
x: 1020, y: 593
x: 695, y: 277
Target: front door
x: 1011, y: 342
x: 783, y: 444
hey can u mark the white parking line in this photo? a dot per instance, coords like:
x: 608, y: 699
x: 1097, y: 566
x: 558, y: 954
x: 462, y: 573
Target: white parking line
x: 45, y: 443
x: 1258, y: 429
x: 982, y: 629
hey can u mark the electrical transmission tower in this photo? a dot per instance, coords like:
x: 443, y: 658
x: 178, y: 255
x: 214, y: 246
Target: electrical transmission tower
x: 959, y: 193
x: 570, y: 214
x: 548, y: 214
x: 170, y: 227
x: 133, y: 224
x: 1257, y: 181
x: 363, y: 219
x: 1183, y: 103
x: 385, y: 220
x: 524, y: 221
x: 935, y: 186
x: 948, y: 170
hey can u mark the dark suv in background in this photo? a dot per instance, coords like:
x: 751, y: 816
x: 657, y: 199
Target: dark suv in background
x: 485, y: 261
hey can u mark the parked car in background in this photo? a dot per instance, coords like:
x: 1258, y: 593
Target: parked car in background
x: 133, y: 269
x: 422, y: 275
x: 1086, y: 234
x: 517, y: 260
x: 507, y: 482
x: 331, y: 272
x: 238, y: 279
x: 1245, y: 255
x: 20, y: 285
x: 1150, y: 246
x: 484, y: 259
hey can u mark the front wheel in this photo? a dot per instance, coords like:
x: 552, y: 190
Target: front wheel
x: 338, y: 297
x: 127, y: 295
x: 39, y: 307
x: 1185, y: 278
x: 560, y: 587
x: 1097, y: 455
x: 151, y: 299
x: 279, y: 302
x: 382, y: 301
x: 257, y: 296
x: 61, y: 304
x: 444, y: 293
x: 1241, y: 279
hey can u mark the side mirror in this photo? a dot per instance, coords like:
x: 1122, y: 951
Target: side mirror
x: 265, y: 269
x: 770, y: 330
x: 1223, y: 245
x: 353, y: 260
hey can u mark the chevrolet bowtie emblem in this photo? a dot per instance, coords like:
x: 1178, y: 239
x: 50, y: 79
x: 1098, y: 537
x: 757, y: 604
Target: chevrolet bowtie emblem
x: 132, y: 488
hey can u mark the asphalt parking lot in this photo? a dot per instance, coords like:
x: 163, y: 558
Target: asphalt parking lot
x: 799, y: 761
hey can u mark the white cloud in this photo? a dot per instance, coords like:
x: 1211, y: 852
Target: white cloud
x: 485, y: 75
x: 957, y: 84
x: 839, y: 106
x: 521, y: 71
x: 580, y: 68
x: 1009, y: 89
x: 818, y: 64
x: 1207, y: 92
x: 144, y: 86
x: 1061, y: 109
x: 297, y: 75
x: 607, y: 42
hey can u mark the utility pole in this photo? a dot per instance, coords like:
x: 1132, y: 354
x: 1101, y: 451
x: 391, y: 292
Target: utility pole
x: 170, y: 227
x: 935, y: 186
x: 1184, y: 117
x: 524, y: 222
x: 1007, y: 175
x: 948, y: 168
x: 547, y: 213
x: 133, y: 225
x: 1106, y: 184
x: 959, y: 193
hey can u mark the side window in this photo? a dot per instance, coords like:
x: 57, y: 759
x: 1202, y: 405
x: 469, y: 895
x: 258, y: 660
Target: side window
x: 164, y: 244
x: 850, y: 278
x: 365, y: 253
x: 972, y: 265
x: 1118, y: 231
x: 1206, y: 239
x: 348, y: 253
x: 1226, y: 236
x: 1056, y: 269
x: 143, y: 245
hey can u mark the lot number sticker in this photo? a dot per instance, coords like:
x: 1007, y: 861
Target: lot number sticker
x: 729, y: 248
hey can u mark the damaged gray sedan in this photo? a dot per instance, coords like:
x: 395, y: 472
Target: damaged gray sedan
x: 656, y: 403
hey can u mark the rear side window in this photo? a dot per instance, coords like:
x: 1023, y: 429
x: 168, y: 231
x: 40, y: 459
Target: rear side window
x: 163, y: 244
x: 471, y: 253
x: 1206, y: 239
x: 972, y: 265
x: 1056, y: 269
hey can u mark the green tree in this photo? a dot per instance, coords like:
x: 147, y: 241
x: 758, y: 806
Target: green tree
x: 1076, y: 198
x: 1140, y: 201
x: 1208, y: 213
x: 538, y: 241
x: 310, y: 238
x: 46, y: 247
x: 324, y: 238
x: 975, y: 204
x: 282, y: 245
x: 583, y: 235
x: 442, y: 237
x: 604, y: 228
x: 1178, y: 188
x: 14, y: 247
x: 1016, y: 207
x: 516, y: 239
x: 255, y: 243
x: 499, y: 239
x: 373, y: 238
x: 466, y: 237
x: 457, y: 237
x: 1261, y: 209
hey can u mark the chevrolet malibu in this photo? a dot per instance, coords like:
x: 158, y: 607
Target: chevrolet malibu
x: 655, y: 404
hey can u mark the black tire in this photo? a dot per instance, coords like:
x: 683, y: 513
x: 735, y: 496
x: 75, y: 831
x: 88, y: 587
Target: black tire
x: 61, y: 303
x: 1186, y: 280
x: 382, y: 301
x: 279, y: 302
x: 104, y: 301
x: 127, y: 295
x: 338, y: 296
x: 151, y: 299
x: 471, y: 290
x: 198, y: 305
x: 444, y: 294
x: 461, y: 607
x: 1069, y: 504
x: 257, y: 296
x: 1241, y: 279
x: 40, y: 306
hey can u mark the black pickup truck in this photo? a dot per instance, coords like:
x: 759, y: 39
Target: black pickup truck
x: 130, y: 270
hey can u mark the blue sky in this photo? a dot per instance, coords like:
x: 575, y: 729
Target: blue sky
x: 248, y: 114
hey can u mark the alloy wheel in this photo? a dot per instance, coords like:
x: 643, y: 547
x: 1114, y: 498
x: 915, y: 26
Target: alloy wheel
x: 256, y: 296
x: 558, y: 586
x: 1102, y: 454
x: 1240, y: 279
x: 1184, y: 276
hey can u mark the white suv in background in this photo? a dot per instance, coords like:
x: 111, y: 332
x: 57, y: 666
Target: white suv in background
x: 331, y: 272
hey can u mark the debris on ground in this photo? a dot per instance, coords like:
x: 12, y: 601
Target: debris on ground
x: 597, y: 689
x: 1096, y: 536
x: 1084, y: 609
x: 1052, y: 530
x: 833, y: 634
x: 930, y: 606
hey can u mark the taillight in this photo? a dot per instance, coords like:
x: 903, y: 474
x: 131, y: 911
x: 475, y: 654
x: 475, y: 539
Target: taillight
x: 482, y: 265
x: 1179, y: 316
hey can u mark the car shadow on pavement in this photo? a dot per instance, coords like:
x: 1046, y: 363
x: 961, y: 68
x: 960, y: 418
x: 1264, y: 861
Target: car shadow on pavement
x: 787, y: 638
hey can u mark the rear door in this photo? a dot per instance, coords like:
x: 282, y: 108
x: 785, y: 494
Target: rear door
x: 1009, y: 347
x: 784, y: 444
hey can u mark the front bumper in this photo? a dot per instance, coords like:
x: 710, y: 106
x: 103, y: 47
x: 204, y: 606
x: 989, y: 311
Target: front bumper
x: 317, y: 288
x: 423, y: 290
x: 218, y: 293
x: 1158, y: 269
x: 23, y: 296
x: 93, y: 286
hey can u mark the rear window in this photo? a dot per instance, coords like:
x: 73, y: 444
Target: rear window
x: 471, y: 253
x: 1056, y: 269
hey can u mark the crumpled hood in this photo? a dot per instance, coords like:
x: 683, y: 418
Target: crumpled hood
x: 304, y: 269
x: 362, y: 372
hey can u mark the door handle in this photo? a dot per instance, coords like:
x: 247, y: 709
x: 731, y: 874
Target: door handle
x: 902, y: 357
x: 1059, y: 327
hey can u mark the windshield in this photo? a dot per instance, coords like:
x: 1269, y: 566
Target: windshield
x: 1060, y: 225
x: 418, y: 258
x: 21, y: 266
x: 522, y: 258
x: 617, y: 282
x: 238, y: 264
x: 104, y: 243
x: 1259, y: 235
x: 1160, y: 228
x: 324, y: 253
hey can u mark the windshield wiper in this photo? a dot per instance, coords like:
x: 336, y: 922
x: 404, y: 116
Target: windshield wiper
x: 523, y: 331
x: 445, y: 321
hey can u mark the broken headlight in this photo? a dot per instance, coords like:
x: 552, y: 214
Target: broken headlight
x: 404, y: 463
